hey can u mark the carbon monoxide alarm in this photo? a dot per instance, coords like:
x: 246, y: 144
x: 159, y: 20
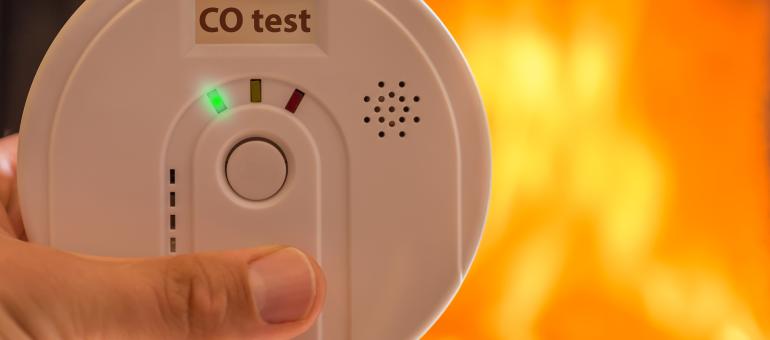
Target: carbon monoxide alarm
x: 351, y: 129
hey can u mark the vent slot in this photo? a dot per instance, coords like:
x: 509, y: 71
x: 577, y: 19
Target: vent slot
x: 171, y: 209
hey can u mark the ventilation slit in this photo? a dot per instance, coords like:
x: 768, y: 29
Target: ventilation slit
x: 172, y: 213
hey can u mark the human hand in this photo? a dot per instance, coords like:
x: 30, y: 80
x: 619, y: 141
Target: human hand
x: 263, y: 293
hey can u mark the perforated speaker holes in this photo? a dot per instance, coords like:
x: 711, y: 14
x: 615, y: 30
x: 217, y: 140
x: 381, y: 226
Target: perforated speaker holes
x: 392, y: 110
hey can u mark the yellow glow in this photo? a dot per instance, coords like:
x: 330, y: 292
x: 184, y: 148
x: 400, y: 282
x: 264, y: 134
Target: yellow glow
x: 630, y: 189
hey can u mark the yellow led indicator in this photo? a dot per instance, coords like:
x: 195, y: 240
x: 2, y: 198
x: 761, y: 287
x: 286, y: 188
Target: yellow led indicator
x: 256, y: 90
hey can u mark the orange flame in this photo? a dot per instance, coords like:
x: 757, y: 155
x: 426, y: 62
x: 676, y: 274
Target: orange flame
x: 630, y: 194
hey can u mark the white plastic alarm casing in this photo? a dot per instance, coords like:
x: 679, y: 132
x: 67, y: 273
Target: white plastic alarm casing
x: 395, y: 222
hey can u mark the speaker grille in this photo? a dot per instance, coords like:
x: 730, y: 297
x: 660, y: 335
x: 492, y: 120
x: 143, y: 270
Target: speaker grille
x: 393, y: 110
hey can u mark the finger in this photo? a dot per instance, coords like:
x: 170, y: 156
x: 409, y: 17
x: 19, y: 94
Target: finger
x: 272, y: 293
x: 9, y: 196
x: 6, y: 228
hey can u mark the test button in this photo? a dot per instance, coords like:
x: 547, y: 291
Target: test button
x: 256, y: 169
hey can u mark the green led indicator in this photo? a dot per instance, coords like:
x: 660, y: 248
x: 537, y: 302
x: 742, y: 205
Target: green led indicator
x: 217, y: 101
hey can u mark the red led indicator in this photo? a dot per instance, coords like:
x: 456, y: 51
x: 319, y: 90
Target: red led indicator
x: 295, y: 100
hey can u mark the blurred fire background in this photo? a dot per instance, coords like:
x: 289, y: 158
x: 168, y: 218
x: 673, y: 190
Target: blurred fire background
x: 630, y: 192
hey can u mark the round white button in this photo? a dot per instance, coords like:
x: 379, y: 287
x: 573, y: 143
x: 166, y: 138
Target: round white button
x: 256, y: 170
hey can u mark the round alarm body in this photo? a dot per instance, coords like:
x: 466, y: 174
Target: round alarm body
x: 351, y: 129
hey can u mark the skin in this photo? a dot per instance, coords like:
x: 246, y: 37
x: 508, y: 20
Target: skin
x: 50, y: 294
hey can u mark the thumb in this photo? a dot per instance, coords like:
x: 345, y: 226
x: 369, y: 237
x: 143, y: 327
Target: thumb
x: 273, y: 293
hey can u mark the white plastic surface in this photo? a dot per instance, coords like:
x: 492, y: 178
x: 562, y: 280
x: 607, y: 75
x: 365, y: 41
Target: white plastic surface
x: 391, y: 203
